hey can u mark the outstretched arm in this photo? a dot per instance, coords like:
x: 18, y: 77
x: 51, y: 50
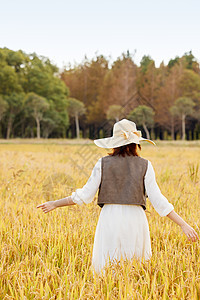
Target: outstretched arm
x: 80, y: 196
x: 51, y: 205
x: 163, y: 206
x: 187, y: 229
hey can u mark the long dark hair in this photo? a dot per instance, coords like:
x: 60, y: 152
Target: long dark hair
x: 130, y: 149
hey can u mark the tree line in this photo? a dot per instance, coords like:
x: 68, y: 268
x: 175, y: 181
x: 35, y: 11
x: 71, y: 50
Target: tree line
x: 37, y: 100
x: 32, y: 96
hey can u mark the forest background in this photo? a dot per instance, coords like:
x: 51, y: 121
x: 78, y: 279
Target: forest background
x: 39, y: 100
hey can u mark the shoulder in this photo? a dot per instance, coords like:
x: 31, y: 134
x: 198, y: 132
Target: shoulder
x: 118, y: 157
x: 150, y: 170
x: 107, y: 158
x: 102, y: 160
x: 141, y: 161
x: 98, y: 163
x: 144, y: 160
x: 147, y: 162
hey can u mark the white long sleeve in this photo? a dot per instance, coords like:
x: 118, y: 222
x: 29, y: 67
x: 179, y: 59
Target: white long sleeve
x: 157, y: 199
x: 87, y: 192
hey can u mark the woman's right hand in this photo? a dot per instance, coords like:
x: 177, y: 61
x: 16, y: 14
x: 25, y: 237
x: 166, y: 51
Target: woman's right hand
x: 190, y: 232
x: 47, y: 206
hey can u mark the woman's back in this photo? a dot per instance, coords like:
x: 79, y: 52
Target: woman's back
x: 122, y: 180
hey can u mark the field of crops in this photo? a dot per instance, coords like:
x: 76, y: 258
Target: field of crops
x: 48, y: 256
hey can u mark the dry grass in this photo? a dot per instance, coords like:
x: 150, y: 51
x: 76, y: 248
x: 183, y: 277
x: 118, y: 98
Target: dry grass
x: 49, y: 256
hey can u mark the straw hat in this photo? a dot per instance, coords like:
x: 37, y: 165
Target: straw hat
x: 124, y: 133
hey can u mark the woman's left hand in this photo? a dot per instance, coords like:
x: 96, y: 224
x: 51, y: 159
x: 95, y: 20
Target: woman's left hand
x: 47, y: 206
x: 190, y: 232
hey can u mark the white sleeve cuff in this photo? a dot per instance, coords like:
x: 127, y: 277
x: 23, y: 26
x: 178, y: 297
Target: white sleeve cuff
x: 76, y: 197
x: 167, y: 210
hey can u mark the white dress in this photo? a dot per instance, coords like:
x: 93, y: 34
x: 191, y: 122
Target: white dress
x: 122, y: 230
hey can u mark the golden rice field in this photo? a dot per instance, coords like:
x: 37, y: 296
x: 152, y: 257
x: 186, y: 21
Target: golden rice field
x: 48, y: 256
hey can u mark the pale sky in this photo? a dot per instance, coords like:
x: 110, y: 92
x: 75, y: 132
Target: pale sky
x: 66, y: 31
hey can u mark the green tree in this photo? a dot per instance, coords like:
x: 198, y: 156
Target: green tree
x: 36, y: 105
x: 75, y: 109
x: 12, y: 64
x: 182, y: 108
x: 54, y: 121
x: 13, y: 70
x: 15, y: 106
x: 143, y: 116
x: 42, y: 79
x: 9, y: 81
x: 3, y: 107
x: 21, y: 73
x: 115, y: 112
x: 49, y: 123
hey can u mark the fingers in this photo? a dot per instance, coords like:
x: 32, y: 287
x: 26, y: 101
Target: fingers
x: 190, y: 233
x: 41, y: 205
x: 44, y: 207
x: 45, y: 210
x: 196, y: 235
x: 193, y: 236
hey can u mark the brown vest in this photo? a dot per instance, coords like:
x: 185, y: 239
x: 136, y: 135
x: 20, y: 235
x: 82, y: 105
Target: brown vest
x: 122, y: 180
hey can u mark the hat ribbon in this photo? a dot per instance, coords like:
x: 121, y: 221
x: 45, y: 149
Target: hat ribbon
x: 127, y: 134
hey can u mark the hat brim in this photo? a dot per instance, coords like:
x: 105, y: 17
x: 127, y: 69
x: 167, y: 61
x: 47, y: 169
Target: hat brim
x: 114, y: 142
x: 147, y: 140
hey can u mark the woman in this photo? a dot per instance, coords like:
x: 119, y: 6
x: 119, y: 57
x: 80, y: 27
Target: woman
x: 124, y: 179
